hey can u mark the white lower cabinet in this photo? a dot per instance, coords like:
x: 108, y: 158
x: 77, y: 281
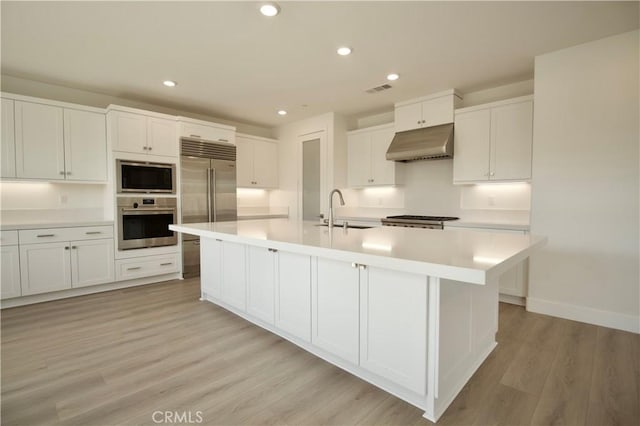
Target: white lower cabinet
x: 234, y: 278
x: 293, y: 294
x: 261, y: 281
x: 393, y: 326
x: 336, y: 300
x: 10, y: 272
x: 45, y: 267
x: 140, y: 267
x: 91, y: 262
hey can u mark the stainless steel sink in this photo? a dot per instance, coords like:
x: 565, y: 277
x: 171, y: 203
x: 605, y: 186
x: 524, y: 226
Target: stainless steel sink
x: 348, y: 226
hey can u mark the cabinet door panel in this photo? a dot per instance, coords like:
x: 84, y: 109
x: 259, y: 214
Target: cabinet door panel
x: 85, y: 144
x: 383, y: 170
x: 162, y: 137
x: 8, y: 153
x: 336, y: 321
x: 512, y: 137
x: 394, y: 326
x: 234, y: 279
x: 265, y: 164
x: 261, y: 284
x: 359, y: 159
x: 408, y: 117
x: 129, y: 132
x: 45, y: 267
x: 10, y: 272
x: 244, y: 164
x: 293, y: 294
x: 211, y: 267
x: 471, y: 147
x: 92, y: 262
x: 437, y: 111
x: 39, y: 141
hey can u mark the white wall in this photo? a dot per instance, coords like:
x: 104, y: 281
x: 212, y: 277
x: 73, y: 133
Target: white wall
x: 38, y: 89
x: 586, y: 183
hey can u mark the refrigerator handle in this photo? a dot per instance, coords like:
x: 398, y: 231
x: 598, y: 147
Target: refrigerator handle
x: 209, y: 194
x: 213, y: 194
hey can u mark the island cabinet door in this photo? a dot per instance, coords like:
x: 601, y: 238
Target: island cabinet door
x: 335, y: 308
x: 210, y: 267
x: 393, y: 333
x: 293, y: 294
x: 261, y: 283
x: 234, y: 277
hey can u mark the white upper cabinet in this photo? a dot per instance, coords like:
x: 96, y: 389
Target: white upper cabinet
x: 8, y: 143
x: 142, y: 134
x: 427, y: 111
x: 257, y: 162
x: 493, y: 142
x: 367, y: 162
x: 85, y: 145
x: 191, y: 128
x: 39, y: 141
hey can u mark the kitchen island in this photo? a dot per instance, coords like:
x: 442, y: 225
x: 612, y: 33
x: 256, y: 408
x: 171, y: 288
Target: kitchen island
x: 412, y: 311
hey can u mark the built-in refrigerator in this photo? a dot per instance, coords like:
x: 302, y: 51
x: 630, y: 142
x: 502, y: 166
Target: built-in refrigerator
x: 208, y: 192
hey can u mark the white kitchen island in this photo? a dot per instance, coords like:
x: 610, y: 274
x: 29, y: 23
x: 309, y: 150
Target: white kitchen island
x: 413, y: 311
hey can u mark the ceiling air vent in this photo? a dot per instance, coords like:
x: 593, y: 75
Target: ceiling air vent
x: 379, y: 88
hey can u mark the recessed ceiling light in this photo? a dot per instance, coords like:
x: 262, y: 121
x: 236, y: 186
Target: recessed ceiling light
x: 282, y: 112
x: 170, y: 83
x: 344, y: 51
x: 269, y: 9
x: 392, y: 77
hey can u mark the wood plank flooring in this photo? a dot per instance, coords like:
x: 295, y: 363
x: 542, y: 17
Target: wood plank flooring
x: 117, y: 357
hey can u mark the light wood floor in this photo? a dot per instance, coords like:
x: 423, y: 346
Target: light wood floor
x: 116, y: 357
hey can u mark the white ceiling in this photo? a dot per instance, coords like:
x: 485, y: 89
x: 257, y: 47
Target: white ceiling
x: 231, y: 62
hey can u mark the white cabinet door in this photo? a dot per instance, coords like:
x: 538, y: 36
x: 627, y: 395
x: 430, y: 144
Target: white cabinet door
x: 210, y: 133
x: 91, y: 262
x: 359, y: 159
x: 8, y: 143
x: 335, y: 297
x: 261, y: 283
x: 437, y: 111
x: 162, y: 137
x: 10, y: 272
x: 512, y: 137
x: 408, y: 117
x: 211, y: 267
x: 265, y: 164
x: 393, y: 335
x: 129, y: 132
x: 383, y: 170
x: 244, y: 163
x: 39, y: 141
x: 472, y: 137
x: 234, y: 278
x: 85, y: 145
x: 293, y: 294
x: 45, y: 267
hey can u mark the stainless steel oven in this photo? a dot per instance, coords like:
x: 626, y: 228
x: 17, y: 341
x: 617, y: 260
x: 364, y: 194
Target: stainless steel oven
x: 144, y: 222
x: 145, y: 177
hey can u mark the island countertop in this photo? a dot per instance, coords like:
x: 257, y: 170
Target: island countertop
x: 461, y: 255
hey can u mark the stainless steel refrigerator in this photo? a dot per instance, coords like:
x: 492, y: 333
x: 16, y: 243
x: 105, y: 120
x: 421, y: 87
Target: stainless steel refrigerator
x: 208, y: 192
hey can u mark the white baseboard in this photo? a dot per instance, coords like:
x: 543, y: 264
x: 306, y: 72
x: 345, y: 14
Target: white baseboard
x: 609, y: 319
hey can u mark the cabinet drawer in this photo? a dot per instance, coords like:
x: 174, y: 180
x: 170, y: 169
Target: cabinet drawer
x: 127, y: 269
x: 51, y: 235
x: 8, y: 238
x: 209, y: 133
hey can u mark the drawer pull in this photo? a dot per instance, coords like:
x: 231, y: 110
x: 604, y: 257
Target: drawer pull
x: 195, y: 136
x: 134, y: 268
x: 218, y: 239
x: 273, y: 250
x: 66, y: 248
x: 46, y: 235
x: 223, y: 140
x: 196, y: 243
x: 166, y: 264
x: 93, y: 232
x: 74, y: 247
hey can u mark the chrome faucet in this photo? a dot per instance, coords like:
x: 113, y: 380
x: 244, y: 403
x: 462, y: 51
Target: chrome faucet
x: 330, y: 223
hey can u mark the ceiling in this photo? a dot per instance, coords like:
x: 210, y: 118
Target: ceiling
x: 231, y: 62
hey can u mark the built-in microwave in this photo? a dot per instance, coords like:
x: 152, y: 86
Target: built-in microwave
x: 145, y: 177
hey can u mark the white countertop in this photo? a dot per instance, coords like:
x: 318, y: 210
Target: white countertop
x: 36, y: 224
x: 460, y: 255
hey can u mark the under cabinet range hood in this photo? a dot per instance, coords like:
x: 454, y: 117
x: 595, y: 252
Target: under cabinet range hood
x: 429, y: 143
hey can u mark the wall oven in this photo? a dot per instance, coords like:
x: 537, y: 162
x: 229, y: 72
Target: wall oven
x: 144, y: 222
x: 145, y: 177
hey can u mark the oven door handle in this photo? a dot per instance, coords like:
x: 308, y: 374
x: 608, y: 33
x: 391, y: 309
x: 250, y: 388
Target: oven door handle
x: 148, y: 211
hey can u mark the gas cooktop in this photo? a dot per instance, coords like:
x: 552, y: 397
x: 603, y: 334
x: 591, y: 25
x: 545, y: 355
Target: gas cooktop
x: 413, y: 221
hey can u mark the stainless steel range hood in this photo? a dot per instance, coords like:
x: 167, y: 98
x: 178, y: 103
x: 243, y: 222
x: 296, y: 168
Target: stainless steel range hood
x: 422, y: 144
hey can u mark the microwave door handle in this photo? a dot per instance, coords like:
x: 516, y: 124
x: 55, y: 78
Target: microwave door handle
x: 208, y: 195
x: 213, y: 195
